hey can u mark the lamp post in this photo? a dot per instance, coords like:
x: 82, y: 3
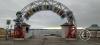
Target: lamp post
x: 7, y: 28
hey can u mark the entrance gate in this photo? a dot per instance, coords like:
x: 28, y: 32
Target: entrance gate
x: 44, y: 5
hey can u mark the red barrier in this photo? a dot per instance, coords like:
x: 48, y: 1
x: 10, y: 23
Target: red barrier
x: 71, y: 32
x: 18, y: 32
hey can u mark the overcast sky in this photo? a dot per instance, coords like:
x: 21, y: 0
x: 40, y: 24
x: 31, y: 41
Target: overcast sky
x: 86, y: 12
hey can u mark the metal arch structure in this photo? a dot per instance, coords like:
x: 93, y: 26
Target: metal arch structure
x: 40, y: 5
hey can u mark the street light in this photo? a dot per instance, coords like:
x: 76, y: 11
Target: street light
x: 7, y: 28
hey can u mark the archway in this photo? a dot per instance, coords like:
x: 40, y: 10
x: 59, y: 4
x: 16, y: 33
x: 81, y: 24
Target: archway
x: 41, y: 5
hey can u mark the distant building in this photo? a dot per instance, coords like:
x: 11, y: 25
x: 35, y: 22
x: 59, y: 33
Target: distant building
x: 2, y: 32
x: 95, y: 30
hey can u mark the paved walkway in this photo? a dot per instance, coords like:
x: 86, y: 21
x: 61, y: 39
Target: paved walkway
x: 49, y: 41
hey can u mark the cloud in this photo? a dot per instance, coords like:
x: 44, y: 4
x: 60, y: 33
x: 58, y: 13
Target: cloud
x: 86, y: 12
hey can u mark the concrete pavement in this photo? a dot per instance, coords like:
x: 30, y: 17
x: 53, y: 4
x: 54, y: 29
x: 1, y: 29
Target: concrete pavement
x: 49, y: 41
